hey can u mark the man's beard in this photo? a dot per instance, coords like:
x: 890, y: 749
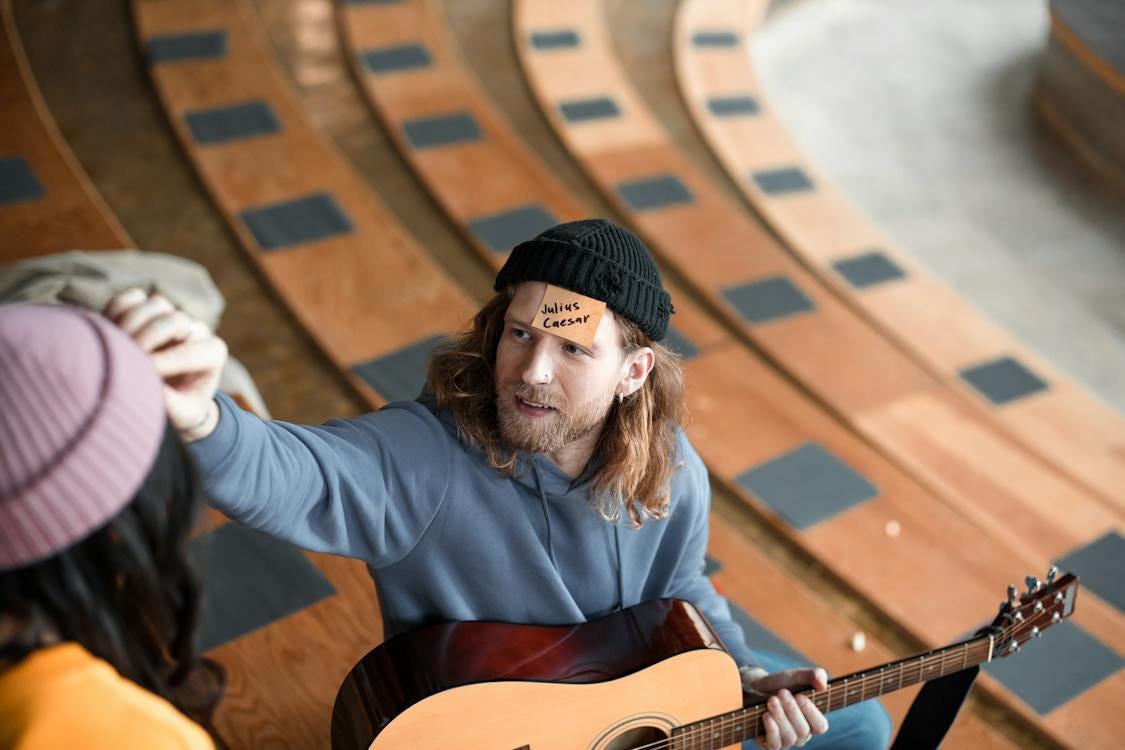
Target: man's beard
x: 546, y: 434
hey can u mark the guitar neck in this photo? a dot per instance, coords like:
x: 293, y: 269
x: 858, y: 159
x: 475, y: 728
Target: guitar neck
x: 746, y: 723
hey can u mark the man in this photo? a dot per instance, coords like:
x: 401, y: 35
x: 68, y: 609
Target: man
x: 545, y: 453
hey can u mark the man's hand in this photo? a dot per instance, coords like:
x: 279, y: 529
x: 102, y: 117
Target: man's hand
x: 188, y: 356
x: 791, y: 720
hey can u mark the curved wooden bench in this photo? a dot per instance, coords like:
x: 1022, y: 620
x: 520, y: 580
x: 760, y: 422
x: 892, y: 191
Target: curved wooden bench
x: 47, y: 204
x: 776, y: 305
x: 358, y: 283
x: 1081, y: 89
x: 1047, y: 412
x: 411, y: 72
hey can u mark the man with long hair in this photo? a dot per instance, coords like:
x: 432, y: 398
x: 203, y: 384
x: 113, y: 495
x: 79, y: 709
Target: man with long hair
x: 541, y: 477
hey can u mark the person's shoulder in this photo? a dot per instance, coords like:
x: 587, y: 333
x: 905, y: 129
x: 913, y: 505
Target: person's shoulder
x: 690, y: 490
x: 92, y: 706
x: 687, y: 459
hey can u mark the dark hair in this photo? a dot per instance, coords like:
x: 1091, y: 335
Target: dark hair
x: 127, y: 593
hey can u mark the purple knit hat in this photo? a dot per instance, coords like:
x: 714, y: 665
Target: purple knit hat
x: 81, y: 419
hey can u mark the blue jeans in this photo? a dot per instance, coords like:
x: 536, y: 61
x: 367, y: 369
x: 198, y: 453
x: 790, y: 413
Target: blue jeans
x: 864, y: 726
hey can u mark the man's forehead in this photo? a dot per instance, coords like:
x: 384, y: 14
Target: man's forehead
x: 563, y: 313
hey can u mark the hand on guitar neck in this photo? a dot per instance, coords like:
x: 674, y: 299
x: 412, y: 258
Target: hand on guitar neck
x: 792, y: 719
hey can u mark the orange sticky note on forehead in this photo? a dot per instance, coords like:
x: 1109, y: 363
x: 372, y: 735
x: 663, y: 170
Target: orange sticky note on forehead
x: 568, y: 314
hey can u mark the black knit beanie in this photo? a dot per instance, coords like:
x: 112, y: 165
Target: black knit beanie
x: 599, y: 259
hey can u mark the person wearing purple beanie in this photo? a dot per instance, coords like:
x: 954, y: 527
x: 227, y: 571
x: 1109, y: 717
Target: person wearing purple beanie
x: 97, y: 498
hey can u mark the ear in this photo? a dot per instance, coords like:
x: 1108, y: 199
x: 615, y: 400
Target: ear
x: 637, y: 366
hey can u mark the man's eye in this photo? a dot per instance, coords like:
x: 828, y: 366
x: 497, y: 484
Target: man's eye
x: 573, y: 349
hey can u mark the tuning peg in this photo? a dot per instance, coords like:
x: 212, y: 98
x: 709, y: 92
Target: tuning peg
x: 1012, y: 593
x: 1051, y: 573
x: 1035, y: 631
x: 1032, y: 584
x: 1013, y: 646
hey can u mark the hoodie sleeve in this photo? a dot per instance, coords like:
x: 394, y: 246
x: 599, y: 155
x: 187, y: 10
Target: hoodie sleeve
x: 367, y: 487
x: 689, y: 581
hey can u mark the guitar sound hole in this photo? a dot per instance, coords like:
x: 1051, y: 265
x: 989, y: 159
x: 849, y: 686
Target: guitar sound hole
x: 637, y: 737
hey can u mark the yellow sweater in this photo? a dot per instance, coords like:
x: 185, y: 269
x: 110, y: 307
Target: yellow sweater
x: 62, y: 697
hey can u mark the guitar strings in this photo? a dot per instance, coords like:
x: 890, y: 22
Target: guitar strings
x: 755, y: 714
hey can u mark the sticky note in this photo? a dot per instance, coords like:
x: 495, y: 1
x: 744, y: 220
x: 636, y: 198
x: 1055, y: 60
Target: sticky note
x: 568, y: 314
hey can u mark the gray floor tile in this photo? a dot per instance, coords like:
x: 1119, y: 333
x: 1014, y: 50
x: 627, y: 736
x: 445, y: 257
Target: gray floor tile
x: 400, y: 375
x: 296, y: 222
x: 1003, y: 380
x: 807, y: 485
x: 17, y: 181
x: 250, y: 580
x: 503, y: 231
x: 768, y: 300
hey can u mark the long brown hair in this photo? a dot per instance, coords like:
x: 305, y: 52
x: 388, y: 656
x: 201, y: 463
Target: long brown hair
x: 637, y: 445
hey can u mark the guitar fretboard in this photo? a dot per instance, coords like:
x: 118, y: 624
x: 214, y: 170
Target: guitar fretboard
x: 746, y: 723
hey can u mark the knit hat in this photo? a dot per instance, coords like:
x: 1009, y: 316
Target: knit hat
x: 81, y: 419
x: 599, y: 259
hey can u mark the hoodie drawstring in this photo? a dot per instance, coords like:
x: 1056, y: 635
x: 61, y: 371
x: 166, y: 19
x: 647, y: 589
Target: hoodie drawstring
x: 551, y: 548
x: 546, y: 514
x: 620, y: 571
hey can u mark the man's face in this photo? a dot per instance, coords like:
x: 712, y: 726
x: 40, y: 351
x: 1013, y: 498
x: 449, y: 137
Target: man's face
x: 551, y: 391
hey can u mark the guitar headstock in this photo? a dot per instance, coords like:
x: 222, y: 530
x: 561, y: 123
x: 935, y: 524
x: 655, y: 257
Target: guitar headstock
x: 1025, y: 616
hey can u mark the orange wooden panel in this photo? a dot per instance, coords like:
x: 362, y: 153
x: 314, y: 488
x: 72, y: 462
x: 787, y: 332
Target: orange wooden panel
x: 70, y: 214
x: 362, y: 294
x: 1081, y: 436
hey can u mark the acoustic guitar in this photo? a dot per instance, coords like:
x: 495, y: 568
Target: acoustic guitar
x: 651, y: 677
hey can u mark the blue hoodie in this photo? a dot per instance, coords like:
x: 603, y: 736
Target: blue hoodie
x: 447, y: 537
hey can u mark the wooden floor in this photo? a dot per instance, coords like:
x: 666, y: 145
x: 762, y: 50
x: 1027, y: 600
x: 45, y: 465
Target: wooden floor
x: 68, y: 212
x: 302, y: 384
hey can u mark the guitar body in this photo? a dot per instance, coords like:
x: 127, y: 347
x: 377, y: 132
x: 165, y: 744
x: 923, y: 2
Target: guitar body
x: 617, y: 683
x: 653, y: 676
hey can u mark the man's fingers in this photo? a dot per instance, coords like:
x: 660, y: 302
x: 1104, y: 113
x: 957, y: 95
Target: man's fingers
x: 163, y: 330
x: 820, y: 680
x: 796, y: 717
x: 787, y: 734
x: 191, y: 357
x: 818, y: 724
x: 124, y: 301
x: 141, y: 315
x: 773, y: 734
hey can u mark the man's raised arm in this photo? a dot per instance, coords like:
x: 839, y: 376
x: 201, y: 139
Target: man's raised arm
x: 341, y: 487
